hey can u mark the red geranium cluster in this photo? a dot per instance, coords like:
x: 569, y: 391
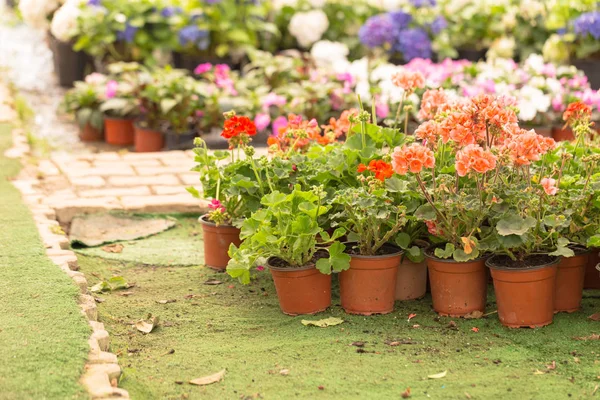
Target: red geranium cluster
x: 238, y: 126
x: 380, y: 168
x: 577, y: 111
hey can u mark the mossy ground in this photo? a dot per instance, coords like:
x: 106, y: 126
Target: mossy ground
x: 43, y: 335
x: 207, y: 328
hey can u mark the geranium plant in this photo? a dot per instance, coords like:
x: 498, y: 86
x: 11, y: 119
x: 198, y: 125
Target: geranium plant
x: 287, y: 227
x: 85, y: 100
x: 121, y: 88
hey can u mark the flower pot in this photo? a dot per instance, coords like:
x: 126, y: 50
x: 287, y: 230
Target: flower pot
x: 69, y: 65
x: 179, y: 141
x: 524, y: 296
x: 369, y: 286
x: 569, y: 282
x: 90, y: 134
x: 411, y: 281
x: 591, y: 68
x: 118, y: 131
x: 592, y: 275
x: 457, y: 288
x: 301, y: 290
x: 562, y: 135
x: 216, y: 243
x: 472, y: 54
x: 147, y: 140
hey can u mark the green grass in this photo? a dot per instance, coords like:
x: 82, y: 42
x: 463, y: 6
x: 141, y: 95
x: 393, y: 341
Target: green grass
x: 240, y: 328
x: 43, y: 336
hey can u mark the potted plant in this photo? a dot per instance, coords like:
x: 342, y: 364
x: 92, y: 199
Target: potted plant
x: 235, y: 189
x: 121, y: 106
x: 299, y: 253
x: 411, y: 282
x: 84, y: 101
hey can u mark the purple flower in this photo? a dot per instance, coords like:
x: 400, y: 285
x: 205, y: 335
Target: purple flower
x: 400, y: 19
x: 262, y: 121
x: 128, y: 33
x: 170, y: 11
x: 423, y: 3
x: 588, y: 24
x: 377, y: 31
x: 438, y: 25
x: 111, y: 89
x: 191, y: 34
x: 212, y: 1
x: 413, y: 43
x: 94, y: 3
x: 279, y: 123
x: 202, y: 68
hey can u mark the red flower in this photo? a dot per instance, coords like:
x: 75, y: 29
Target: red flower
x: 380, y: 168
x: 361, y: 168
x: 236, y: 126
x: 577, y: 110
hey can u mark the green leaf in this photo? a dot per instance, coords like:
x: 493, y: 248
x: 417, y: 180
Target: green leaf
x: 395, y: 184
x: 446, y: 252
x: 415, y: 254
x: 83, y: 116
x: 193, y: 191
x: 426, y: 212
x: 403, y: 240
x: 594, y: 241
x: 100, y: 287
x: 340, y: 261
x: 513, y: 224
x: 323, y: 323
x: 118, y: 282
x: 460, y: 255
x: 167, y: 105
x: 273, y: 199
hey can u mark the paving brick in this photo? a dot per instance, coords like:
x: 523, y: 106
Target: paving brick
x: 106, y: 156
x: 66, y: 210
x: 123, y: 170
x: 166, y: 203
x: 162, y: 190
x: 141, y: 156
x: 116, y: 192
x: 190, y: 179
x: 48, y: 168
x: 88, y: 181
x: 145, y: 171
x: 162, y: 179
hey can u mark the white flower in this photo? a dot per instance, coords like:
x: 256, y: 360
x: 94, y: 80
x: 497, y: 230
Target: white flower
x: 317, y: 3
x: 531, y: 101
x: 387, y: 5
x: 326, y: 52
x: 64, y: 22
x: 308, y: 27
x: 503, y: 47
x: 36, y: 12
x: 536, y: 63
x: 279, y: 4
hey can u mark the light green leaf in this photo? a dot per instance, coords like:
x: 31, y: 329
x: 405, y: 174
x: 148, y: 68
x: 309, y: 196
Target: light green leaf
x: 446, y: 252
x: 513, y: 224
x: 403, y: 240
x: 426, y: 212
x: 323, y: 323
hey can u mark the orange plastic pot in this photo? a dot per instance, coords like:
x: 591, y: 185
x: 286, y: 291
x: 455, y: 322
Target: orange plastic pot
x: 369, y: 285
x: 411, y: 281
x: 592, y: 275
x: 525, y: 297
x: 569, y: 282
x: 457, y: 288
x: 216, y: 243
x: 90, y: 134
x: 561, y: 135
x: 148, y: 140
x: 118, y: 131
x: 301, y: 290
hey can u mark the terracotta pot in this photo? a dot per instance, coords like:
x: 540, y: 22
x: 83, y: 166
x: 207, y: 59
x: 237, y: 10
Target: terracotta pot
x: 457, y: 288
x: 569, y: 282
x: 411, y: 281
x: 118, y: 131
x: 148, y: 140
x: 525, y: 296
x: 301, y: 290
x: 90, y: 134
x: 216, y: 243
x: 369, y: 285
x: 561, y: 135
x: 592, y: 275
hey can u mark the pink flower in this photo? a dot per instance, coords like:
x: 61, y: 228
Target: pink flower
x: 199, y: 114
x: 216, y: 205
x: 557, y: 103
x: 202, y: 68
x: 280, y: 123
x: 382, y: 110
x: 111, y: 89
x: 273, y: 99
x: 260, y: 268
x: 262, y: 121
x: 549, y: 186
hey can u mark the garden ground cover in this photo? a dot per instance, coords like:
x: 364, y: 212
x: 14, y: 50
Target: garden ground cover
x: 43, y: 335
x: 206, y: 328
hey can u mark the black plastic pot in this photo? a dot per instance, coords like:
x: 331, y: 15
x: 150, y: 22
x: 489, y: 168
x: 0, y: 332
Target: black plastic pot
x: 69, y: 65
x: 591, y: 68
x: 179, y: 141
x: 191, y: 61
x: 11, y: 4
x: 471, y: 54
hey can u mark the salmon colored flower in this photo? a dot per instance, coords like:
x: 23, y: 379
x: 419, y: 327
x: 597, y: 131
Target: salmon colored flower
x: 297, y: 133
x: 527, y: 147
x: 409, y: 80
x: 428, y: 131
x: 342, y: 125
x: 576, y: 111
x: 433, y: 102
x: 474, y: 158
x: 549, y: 186
x: 414, y: 158
x: 433, y: 228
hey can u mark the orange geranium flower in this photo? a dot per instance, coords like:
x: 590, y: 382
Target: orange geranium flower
x: 414, y: 158
x: 527, y: 147
x: 474, y: 158
x: 575, y: 111
x: 428, y: 131
x: 433, y: 102
x: 409, y: 80
x: 340, y: 126
x: 380, y: 168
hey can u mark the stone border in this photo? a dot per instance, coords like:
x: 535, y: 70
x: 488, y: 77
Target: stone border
x: 102, y: 371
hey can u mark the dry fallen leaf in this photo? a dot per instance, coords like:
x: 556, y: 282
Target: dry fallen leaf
x: 411, y: 316
x: 323, y: 323
x: 474, y: 315
x: 207, y: 380
x: 595, y: 317
x: 113, y: 248
x: 538, y: 372
x: 146, y: 327
x: 406, y: 393
x: 595, y: 390
x: 437, y: 376
x: 126, y: 294
x: 166, y: 301
x: 213, y: 282
x: 552, y: 366
x: 468, y: 396
x: 358, y: 344
x: 284, y: 372
x: 593, y: 336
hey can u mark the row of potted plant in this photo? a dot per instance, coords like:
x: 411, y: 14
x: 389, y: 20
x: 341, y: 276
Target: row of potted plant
x: 469, y: 189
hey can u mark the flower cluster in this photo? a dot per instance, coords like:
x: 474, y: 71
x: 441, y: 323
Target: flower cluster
x: 380, y: 168
x: 238, y: 130
x: 474, y: 158
x: 412, y: 158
